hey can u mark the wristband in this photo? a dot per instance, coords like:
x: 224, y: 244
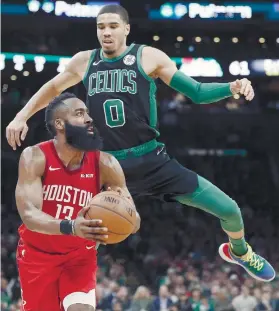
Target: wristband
x: 66, y: 227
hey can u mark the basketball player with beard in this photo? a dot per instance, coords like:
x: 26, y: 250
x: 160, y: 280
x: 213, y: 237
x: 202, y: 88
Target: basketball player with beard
x: 56, y: 254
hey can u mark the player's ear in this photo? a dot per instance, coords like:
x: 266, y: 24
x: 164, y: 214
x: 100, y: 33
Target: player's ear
x: 127, y: 29
x: 59, y: 124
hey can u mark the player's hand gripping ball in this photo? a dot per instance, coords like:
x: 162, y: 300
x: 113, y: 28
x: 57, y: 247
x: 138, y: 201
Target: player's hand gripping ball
x: 117, y: 213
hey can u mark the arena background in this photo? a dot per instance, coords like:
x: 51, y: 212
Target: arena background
x: 232, y: 143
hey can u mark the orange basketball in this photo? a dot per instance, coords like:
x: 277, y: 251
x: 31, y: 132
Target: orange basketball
x: 117, y: 213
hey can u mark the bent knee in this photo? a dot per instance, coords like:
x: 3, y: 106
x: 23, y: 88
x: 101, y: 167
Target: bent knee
x: 80, y: 307
x: 231, y: 210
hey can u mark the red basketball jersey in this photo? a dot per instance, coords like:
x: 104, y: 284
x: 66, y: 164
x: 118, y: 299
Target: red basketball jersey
x: 65, y: 192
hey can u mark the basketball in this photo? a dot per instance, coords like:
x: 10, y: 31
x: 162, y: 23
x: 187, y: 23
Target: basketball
x: 117, y: 213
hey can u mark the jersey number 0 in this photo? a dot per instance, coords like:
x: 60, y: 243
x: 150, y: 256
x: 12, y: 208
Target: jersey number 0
x: 114, y: 112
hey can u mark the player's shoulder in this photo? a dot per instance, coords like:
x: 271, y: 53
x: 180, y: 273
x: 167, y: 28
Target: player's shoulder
x: 32, y: 152
x: 109, y: 167
x: 33, y: 158
x: 78, y: 63
x: 108, y: 160
x: 80, y: 59
x: 151, y: 51
x: 154, y: 56
x: 82, y: 55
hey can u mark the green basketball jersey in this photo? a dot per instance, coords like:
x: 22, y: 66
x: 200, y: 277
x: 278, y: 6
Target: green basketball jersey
x: 121, y: 99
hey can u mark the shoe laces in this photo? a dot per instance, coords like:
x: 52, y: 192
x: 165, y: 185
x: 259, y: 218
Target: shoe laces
x: 253, y: 259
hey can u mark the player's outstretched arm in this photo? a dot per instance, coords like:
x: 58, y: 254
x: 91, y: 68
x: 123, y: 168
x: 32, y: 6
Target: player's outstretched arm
x: 200, y: 93
x: 29, y: 199
x: 112, y: 178
x: 17, y: 129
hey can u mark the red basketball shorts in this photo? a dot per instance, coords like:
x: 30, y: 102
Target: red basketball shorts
x: 51, y: 282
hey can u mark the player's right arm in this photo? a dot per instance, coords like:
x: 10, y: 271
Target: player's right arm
x: 157, y: 64
x: 29, y: 200
x: 73, y: 74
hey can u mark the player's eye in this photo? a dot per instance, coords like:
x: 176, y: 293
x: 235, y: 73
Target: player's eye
x: 79, y: 114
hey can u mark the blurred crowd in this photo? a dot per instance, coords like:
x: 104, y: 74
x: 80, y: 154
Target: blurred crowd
x: 186, y: 283
x: 173, y: 262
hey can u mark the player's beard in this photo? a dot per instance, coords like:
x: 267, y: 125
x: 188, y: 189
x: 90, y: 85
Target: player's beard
x: 79, y: 138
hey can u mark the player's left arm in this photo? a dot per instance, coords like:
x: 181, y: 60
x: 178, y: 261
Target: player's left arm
x: 112, y: 178
x: 158, y: 65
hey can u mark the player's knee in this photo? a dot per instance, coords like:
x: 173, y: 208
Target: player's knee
x: 232, y: 211
x: 80, y: 307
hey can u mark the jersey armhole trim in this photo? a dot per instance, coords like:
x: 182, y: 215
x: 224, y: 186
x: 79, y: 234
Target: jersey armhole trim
x: 89, y: 64
x: 139, y: 55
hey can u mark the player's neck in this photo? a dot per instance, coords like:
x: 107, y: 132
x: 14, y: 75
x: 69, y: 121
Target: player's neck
x: 70, y: 156
x: 119, y: 52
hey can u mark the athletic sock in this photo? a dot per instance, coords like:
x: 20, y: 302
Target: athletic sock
x: 238, y: 246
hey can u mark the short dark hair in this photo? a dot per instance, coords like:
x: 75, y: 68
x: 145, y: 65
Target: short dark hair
x: 117, y: 9
x: 56, y: 103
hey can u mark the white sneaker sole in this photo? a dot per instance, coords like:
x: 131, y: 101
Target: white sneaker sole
x: 223, y: 255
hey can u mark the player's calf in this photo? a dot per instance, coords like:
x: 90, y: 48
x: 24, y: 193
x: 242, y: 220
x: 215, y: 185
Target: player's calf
x: 80, y: 307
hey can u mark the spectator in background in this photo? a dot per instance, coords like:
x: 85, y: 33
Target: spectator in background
x: 117, y: 306
x: 4, y: 306
x: 5, y: 297
x: 106, y: 302
x: 163, y: 302
x: 266, y: 304
x: 276, y: 299
x: 199, y: 302
x: 15, y: 290
x: 205, y: 305
x: 174, y: 308
x: 100, y: 296
x: 142, y: 300
x: 122, y: 297
x: 184, y: 303
x: 244, y: 301
x: 257, y: 294
x: 234, y: 292
x: 169, y: 278
x: 196, y: 298
x: 222, y: 300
